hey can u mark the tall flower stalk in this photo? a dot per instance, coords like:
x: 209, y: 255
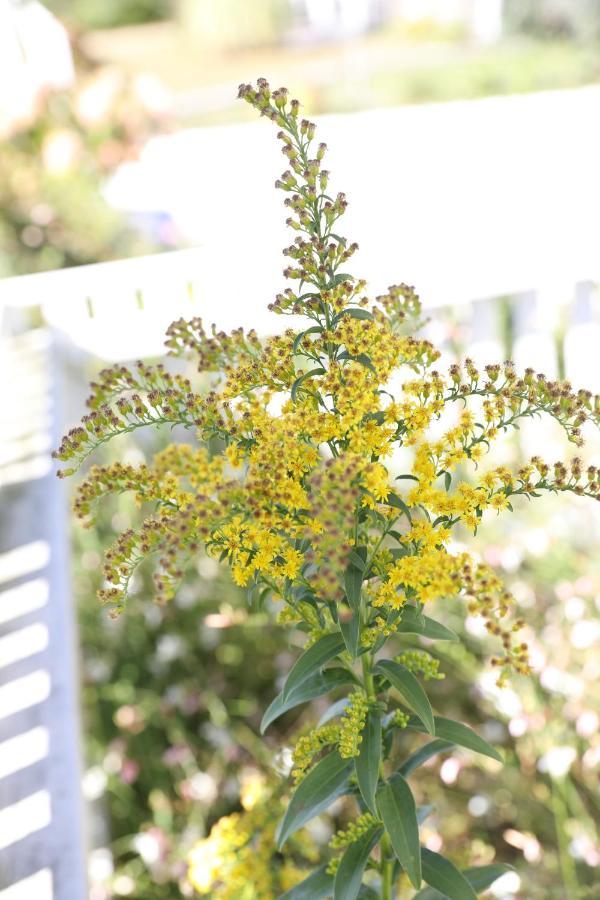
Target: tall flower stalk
x: 293, y: 479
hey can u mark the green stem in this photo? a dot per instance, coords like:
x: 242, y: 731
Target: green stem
x: 368, y: 676
x: 386, y: 869
x: 567, y: 866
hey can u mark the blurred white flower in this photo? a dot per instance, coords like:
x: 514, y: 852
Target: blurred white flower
x: 574, y: 608
x: 506, y: 887
x: 557, y: 761
x: 123, y: 885
x: 450, y: 769
x: 93, y: 783
x: 148, y: 847
x: 169, y: 647
x: 560, y: 682
x: 478, y: 805
x: 588, y: 723
x: 100, y: 864
x: 585, y: 634
x: 524, y: 841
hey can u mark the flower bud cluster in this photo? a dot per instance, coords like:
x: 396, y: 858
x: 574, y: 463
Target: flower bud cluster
x: 310, y: 745
x: 333, y: 495
x: 155, y: 398
x: 399, y: 719
x: 419, y: 662
x: 215, y: 353
x: 527, y: 395
x: 354, y: 831
x: 352, y: 724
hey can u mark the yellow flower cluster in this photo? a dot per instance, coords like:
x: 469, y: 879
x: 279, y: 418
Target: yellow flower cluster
x: 239, y: 857
x: 421, y: 663
x: 354, y: 831
x: 400, y: 719
x: 352, y: 724
x: 309, y: 745
x: 301, y: 427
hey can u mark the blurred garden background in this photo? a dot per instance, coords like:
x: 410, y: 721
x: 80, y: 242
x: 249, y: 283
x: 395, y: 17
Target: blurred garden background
x: 466, y: 134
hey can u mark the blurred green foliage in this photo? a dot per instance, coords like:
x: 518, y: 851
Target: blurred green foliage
x: 52, y: 170
x: 510, y: 68
x: 84, y: 14
x: 574, y: 19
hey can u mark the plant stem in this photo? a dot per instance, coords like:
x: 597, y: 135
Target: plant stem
x: 368, y: 676
x: 386, y: 869
x: 567, y: 866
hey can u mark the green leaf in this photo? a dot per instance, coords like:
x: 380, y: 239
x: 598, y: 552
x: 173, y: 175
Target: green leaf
x: 410, y: 689
x: 343, y: 276
x: 299, y: 337
x: 367, y: 893
x: 399, y: 814
x: 355, y: 312
x: 311, y: 660
x: 328, y: 780
x: 421, y: 755
x: 481, y: 877
x: 317, y: 886
x: 352, y: 865
x: 302, y: 378
x: 456, y: 733
x: 398, y: 503
x: 361, y: 358
x: 369, y: 758
x: 422, y: 811
x: 350, y: 629
x: 441, y: 874
x: 318, y: 684
x: 336, y: 709
x: 353, y: 580
x: 414, y: 622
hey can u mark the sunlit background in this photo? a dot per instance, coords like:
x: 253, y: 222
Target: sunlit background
x: 135, y: 188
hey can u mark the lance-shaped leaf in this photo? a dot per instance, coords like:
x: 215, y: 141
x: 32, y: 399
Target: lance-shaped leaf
x: 479, y: 877
x: 367, y: 893
x: 414, y: 622
x: 312, y: 660
x: 302, y: 378
x: 348, y: 877
x: 369, y: 758
x: 325, y: 783
x: 318, y: 684
x: 350, y: 629
x: 443, y: 875
x: 398, y: 503
x: 410, y: 689
x: 355, y: 312
x: 421, y: 755
x: 316, y: 329
x: 318, y: 885
x: 353, y: 577
x: 336, y: 709
x: 456, y: 733
x: 399, y: 813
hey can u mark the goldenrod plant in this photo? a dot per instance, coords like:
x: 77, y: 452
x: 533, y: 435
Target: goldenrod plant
x: 296, y: 480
